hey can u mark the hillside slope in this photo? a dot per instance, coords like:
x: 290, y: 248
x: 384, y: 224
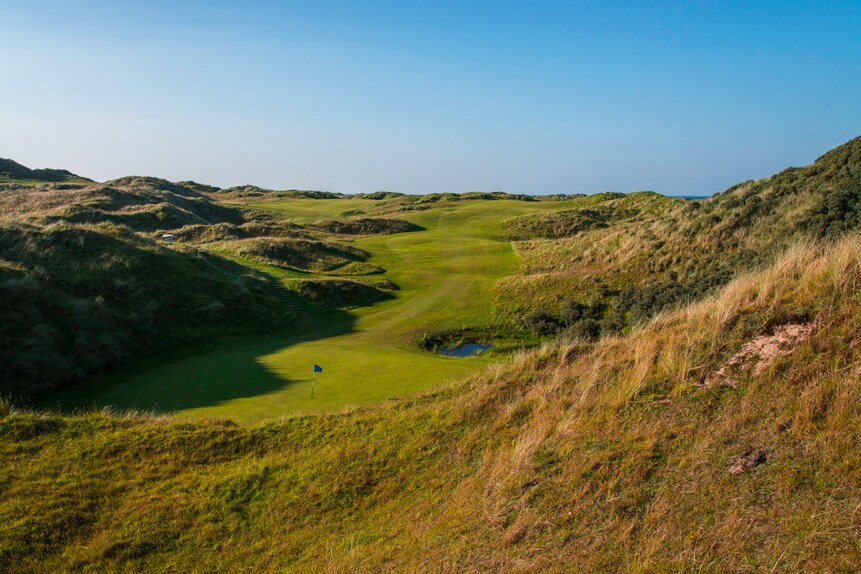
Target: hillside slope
x: 87, y: 284
x: 628, y: 256
x: 721, y: 437
x: 141, y: 203
x: 76, y: 300
x: 11, y: 171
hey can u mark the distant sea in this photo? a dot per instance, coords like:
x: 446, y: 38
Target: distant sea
x: 692, y: 197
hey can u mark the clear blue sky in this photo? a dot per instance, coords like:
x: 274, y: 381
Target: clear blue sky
x: 684, y: 98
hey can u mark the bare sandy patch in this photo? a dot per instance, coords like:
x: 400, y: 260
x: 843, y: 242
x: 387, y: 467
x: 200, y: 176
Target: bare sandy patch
x: 761, y: 351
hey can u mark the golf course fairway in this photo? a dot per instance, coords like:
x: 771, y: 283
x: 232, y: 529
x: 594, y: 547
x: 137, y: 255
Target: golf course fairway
x: 445, y: 274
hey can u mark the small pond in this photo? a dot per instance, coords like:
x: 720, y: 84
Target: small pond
x: 465, y: 350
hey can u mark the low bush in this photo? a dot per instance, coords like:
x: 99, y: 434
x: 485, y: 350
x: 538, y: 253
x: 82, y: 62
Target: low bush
x: 367, y: 226
x: 298, y: 253
x: 340, y: 293
x: 584, y: 329
x: 541, y: 322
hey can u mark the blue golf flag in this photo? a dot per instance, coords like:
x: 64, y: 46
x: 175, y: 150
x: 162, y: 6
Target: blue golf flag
x: 318, y: 369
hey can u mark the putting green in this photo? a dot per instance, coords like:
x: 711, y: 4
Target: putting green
x: 446, y: 276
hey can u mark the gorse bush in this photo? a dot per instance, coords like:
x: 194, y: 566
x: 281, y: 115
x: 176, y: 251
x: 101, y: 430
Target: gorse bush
x: 586, y: 329
x: 541, y: 322
x: 838, y: 211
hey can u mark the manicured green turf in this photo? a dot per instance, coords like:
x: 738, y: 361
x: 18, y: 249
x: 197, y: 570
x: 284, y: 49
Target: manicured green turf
x: 446, y: 276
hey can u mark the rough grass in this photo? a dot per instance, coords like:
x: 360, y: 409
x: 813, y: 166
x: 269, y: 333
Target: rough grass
x: 367, y: 226
x: 644, y: 241
x: 604, y: 458
x: 598, y: 211
x: 79, y: 300
x: 339, y: 293
x: 296, y: 253
x: 141, y: 203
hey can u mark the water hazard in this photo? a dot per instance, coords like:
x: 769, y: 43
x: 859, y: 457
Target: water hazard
x: 465, y: 350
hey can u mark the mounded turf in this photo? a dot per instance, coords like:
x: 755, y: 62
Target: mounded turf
x: 446, y: 276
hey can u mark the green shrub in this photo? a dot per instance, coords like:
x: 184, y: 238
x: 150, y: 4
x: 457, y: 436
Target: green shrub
x: 341, y: 293
x: 368, y: 226
x: 584, y: 329
x: 541, y: 322
x: 572, y: 312
x: 298, y: 253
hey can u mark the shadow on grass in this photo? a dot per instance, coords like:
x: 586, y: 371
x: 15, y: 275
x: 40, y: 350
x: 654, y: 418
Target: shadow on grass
x: 202, y: 375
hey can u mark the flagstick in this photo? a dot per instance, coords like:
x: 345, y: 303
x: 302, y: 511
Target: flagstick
x: 313, y: 376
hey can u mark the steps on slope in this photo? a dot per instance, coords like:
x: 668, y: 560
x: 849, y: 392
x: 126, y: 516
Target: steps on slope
x: 289, y: 299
